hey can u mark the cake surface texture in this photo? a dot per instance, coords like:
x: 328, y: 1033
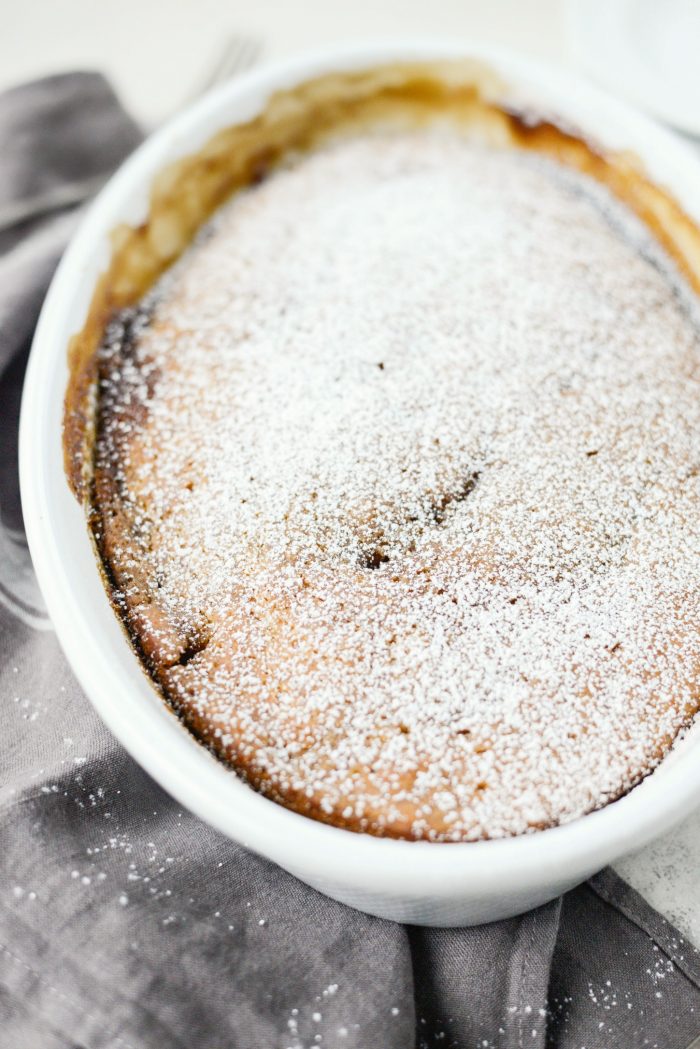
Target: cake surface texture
x: 397, y: 483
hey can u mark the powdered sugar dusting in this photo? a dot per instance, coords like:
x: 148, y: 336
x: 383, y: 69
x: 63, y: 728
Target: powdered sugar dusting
x: 407, y: 469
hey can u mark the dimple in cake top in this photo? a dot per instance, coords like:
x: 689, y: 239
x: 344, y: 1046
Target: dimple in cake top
x: 398, y: 482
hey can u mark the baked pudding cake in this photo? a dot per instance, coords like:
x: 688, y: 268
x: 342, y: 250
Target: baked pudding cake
x: 387, y: 424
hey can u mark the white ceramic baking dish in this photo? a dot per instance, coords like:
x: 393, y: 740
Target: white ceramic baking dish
x: 431, y: 884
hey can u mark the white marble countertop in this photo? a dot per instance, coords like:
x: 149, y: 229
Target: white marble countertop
x: 158, y: 52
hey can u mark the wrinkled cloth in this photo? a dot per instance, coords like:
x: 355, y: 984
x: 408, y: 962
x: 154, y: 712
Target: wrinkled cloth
x: 126, y: 922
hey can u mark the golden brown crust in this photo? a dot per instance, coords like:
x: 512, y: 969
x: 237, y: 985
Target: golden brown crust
x: 182, y: 655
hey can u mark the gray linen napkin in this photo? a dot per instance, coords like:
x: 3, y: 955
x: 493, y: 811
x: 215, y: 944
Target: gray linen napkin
x: 126, y: 922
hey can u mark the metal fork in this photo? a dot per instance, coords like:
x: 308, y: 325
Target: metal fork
x: 239, y: 54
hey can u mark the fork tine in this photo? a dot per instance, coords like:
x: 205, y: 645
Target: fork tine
x: 238, y: 55
x: 215, y: 74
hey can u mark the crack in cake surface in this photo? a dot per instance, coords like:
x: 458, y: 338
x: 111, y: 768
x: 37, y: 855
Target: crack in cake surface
x: 396, y: 641
x: 434, y: 512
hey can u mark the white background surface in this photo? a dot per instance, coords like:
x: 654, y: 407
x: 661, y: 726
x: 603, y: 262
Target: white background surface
x: 159, y: 52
